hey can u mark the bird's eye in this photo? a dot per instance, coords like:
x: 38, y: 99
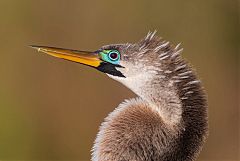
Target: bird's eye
x: 114, y: 55
x: 111, y: 56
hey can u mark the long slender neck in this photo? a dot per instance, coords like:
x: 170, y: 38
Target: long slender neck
x: 167, y: 123
x: 180, y: 101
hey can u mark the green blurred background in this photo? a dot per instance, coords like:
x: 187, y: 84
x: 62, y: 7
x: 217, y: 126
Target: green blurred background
x: 51, y: 109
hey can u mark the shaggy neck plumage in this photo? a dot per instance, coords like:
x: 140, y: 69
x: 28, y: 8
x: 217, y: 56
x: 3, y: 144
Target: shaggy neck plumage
x: 180, y: 132
x: 179, y: 99
x: 168, y: 122
x: 163, y: 97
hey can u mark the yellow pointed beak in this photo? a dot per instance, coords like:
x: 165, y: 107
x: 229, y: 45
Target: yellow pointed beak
x: 83, y: 57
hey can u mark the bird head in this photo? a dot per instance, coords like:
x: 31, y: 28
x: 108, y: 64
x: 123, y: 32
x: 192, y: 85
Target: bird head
x: 130, y: 64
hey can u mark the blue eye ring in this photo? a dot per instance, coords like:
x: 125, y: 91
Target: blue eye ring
x: 114, y: 55
x: 111, y: 56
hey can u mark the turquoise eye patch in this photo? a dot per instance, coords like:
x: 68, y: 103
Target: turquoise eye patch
x: 111, y: 56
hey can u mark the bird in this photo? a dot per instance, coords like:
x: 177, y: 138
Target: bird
x: 167, y: 121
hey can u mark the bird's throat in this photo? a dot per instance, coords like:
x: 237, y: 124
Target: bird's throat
x: 161, y: 95
x: 163, y: 99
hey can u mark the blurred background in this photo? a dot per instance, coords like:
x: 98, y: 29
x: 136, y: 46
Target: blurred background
x: 51, y: 109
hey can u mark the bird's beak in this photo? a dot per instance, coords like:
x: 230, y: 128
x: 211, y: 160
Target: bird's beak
x: 84, y: 57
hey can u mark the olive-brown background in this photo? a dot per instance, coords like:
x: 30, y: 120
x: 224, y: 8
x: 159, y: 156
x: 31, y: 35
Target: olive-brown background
x: 51, y: 109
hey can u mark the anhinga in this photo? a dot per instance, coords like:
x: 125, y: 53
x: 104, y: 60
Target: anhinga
x: 168, y: 119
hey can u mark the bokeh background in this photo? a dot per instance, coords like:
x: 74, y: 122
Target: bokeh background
x: 51, y: 109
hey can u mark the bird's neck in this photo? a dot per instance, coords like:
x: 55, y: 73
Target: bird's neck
x: 161, y: 95
x: 181, y: 104
x: 167, y: 122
